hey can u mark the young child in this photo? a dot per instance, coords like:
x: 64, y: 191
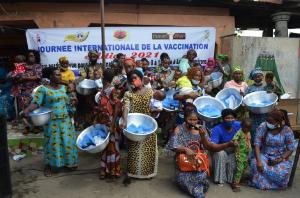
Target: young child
x: 156, y: 105
x: 271, y: 85
x: 242, y: 149
x: 72, y: 100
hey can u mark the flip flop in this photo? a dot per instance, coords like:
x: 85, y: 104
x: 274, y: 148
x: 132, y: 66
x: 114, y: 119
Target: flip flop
x: 47, y: 172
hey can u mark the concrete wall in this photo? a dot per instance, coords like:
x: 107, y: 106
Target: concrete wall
x: 245, y: 50
x: 48, y: 15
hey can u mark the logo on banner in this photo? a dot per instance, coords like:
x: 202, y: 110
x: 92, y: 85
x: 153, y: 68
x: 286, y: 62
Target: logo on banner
x: 120, y: 34
x: 168, y: 36
x: 78, y: 38
x: 40, y: 38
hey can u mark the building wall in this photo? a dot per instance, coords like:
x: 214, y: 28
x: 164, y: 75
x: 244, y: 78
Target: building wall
x: 245, y: 50
x: 49, y: 15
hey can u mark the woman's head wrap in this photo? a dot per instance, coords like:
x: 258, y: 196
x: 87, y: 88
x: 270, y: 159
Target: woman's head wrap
x: 255, y: 72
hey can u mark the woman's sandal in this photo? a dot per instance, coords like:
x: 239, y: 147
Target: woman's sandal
x: 235, y: 187
x: 127, y: 181
x: 47, y: 171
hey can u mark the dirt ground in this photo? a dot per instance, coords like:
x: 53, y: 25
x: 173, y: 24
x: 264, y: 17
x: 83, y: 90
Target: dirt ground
x: 29, y: 182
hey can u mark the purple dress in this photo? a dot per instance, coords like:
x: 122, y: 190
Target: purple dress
x: 274, y: 146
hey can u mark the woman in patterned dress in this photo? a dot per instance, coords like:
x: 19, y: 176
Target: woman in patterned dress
x: 108, y: 108
x: 142, y: 156
x: 60, y: 138
x: 25, y: 82
x: 274, y: 143
x: 182, y: 140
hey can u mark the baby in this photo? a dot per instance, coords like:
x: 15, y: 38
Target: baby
x: 156, y: 105
x: 242, y: 149
x: 72, y: 99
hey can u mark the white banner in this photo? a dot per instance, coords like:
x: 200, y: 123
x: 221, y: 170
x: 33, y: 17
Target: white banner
x: 137, y: 42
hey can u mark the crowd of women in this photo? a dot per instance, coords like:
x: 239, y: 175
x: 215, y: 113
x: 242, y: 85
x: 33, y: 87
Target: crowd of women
x: 131, y: 86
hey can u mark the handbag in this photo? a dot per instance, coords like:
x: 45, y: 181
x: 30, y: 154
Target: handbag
x: 199, y: 162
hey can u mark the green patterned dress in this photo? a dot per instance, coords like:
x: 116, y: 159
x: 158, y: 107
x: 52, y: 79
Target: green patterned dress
x: 60, y: 137
x: 241, y: 154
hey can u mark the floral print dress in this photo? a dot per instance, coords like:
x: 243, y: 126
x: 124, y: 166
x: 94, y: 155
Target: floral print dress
x: 196, y: 182
x: 272, y: 147
x: 23, y: 90
x: 110, y: 157
x: 60, y: 137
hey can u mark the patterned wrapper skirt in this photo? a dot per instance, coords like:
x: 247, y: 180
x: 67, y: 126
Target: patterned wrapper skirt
x: 60, y: 143
x: 142, y: 158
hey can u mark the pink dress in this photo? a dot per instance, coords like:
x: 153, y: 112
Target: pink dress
x: 240, y: 87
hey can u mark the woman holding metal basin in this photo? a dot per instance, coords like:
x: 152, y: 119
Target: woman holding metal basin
x: 142, y: 157
x: 257, y: 77
x: 60, y: 138
x: 186, y: 139
x: 188, y: 89
x: 274, y: 143
x: 224, y: 161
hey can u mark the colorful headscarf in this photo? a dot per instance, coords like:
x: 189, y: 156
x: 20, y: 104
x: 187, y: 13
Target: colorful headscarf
x: 255, y: 72
x: 93, y: 52
x: 211, y: 65
x: 222, y: 57
x: 63, y: 59
x: 237, y: 68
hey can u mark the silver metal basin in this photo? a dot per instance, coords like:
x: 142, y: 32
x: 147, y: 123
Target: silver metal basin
x: 90, y: 129
x: 139, y: 119
x: 259, y: 98
x: 40, y: 116
x: 205, y: 101
x: 225, y: 93
x: 217, y: 79
x: 86, y: 87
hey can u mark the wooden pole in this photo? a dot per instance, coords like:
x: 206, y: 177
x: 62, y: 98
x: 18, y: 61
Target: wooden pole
x: 102, y: 32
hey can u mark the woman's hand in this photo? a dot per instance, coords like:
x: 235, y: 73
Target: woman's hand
x: 193, y: 95
x: 123, y: 125
x: 189, y: 152
x: 260, y: 167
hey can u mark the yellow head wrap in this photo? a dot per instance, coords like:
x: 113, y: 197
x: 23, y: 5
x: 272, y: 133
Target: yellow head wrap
x: 63, y: 59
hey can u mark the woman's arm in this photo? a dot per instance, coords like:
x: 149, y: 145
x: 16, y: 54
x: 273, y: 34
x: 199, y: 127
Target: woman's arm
x: 212, y: 146
x: 30, y: 108
x: 192, y: 95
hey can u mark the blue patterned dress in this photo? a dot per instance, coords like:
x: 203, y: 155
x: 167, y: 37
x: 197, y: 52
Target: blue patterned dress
x: 195, y: 183
x: 60, y: 137
x: 274, y: 146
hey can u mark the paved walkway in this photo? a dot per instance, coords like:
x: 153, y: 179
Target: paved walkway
x: 29, y: 182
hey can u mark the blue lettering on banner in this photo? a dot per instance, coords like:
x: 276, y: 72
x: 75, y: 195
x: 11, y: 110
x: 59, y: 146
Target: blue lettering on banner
x: 62, y: 48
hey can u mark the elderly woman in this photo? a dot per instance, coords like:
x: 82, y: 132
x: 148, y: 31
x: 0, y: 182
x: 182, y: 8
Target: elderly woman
x: 142, y: 156
x: 183, y: 141
x: 274, y: 143
x: 237, y: 82
x: 67, y: 75
x: 60, y: 137
x: 257, y: 77
x: 187, y: 62
x: 224, y: 161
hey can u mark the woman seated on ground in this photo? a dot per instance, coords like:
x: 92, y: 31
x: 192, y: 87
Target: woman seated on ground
x: 274, y: 143
x: 224, y: 161
x: 183, y: 141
